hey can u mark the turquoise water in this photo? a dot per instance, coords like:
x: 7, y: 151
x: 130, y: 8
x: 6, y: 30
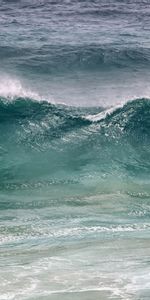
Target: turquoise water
x: 74, y: 150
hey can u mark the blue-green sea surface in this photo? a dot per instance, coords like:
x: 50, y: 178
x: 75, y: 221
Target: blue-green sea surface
x: 74, y: 150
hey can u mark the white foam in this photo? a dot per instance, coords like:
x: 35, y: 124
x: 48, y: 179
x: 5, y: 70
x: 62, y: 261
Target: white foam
x: 102, y: 115
x: 12, y: 88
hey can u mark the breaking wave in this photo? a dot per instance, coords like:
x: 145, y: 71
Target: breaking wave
x: 42, y: 140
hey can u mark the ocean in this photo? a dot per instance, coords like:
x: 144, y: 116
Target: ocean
x: 74, y: 149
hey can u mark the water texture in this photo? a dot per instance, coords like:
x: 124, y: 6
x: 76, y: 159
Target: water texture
x: 74, y: 150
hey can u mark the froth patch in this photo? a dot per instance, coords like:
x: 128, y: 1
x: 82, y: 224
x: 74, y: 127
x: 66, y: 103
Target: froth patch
x: 12, y: 88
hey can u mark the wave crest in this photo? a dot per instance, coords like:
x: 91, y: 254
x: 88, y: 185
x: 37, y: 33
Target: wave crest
x: 42, y: 139
x: 11, y: 89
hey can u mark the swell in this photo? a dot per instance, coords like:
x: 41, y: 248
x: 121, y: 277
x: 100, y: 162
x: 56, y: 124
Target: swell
x: 56, y: 145
x: 57, y: 58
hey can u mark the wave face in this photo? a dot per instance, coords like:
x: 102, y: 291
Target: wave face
x: 36, y: 135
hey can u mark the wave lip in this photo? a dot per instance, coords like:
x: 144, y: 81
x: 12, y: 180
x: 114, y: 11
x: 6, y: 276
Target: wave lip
x: 135, y: 112
x: 102, y: 115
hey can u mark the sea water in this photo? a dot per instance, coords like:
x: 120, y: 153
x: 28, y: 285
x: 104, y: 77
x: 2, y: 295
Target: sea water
x: 74, y: 150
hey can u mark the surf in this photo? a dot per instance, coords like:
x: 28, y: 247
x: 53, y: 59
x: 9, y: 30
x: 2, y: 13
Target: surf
x: 39, y: 139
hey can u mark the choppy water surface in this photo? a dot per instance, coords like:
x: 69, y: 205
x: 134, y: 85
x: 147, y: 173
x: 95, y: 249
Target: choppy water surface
x: 74, y: 150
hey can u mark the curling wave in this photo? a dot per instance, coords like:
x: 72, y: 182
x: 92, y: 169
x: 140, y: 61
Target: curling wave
x: 41, y: 141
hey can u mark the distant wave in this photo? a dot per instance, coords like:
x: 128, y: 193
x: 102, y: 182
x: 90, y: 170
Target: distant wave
x: 56, y: 58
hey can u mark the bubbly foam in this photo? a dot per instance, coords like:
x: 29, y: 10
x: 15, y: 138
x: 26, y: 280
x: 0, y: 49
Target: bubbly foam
x: 12, y: 88
x: 102, y: 115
